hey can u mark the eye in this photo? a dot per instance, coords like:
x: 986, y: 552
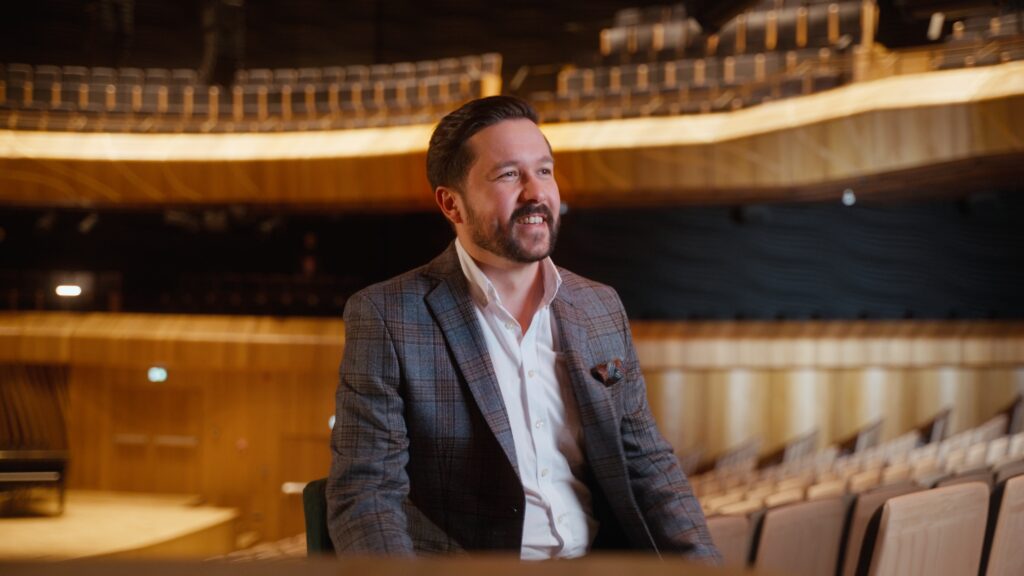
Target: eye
x: 509, y: 175
x: 546, y: 171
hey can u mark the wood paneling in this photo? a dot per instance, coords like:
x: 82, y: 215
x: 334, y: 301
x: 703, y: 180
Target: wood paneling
x: 913, y: 134
x: 246, y: 404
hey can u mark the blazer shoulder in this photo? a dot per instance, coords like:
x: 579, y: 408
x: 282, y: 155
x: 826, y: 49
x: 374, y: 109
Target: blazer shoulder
x: 590, y: 294
x: 406, y: 289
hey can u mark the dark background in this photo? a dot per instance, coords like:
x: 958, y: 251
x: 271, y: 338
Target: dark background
x: 958, y: 257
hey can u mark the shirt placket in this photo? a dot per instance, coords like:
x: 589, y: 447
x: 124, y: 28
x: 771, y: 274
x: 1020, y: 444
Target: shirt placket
x: 543, y: 434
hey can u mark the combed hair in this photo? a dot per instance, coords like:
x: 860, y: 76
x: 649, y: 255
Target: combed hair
x: 448, y: 156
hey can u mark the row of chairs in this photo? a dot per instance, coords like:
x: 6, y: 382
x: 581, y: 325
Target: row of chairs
x: 833, y: 25
x: 474, y: 66
x: 997, y: 461
x: 669, y: 12
x: 155, y: 108
x: 1000, y: 40
x: 729, y: 71
x: 44, y: 76
x: 689, y: 86
x: 105, y: 99
x: 810, y: 515
x: 859, y: 461
x: 902, y: 529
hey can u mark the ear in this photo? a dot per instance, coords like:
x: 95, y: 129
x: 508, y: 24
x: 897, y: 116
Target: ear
x: 447, y: 200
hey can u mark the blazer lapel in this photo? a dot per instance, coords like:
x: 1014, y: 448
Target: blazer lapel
x: 597, y: 413
x: 452, y: 307
x: 599, y: 417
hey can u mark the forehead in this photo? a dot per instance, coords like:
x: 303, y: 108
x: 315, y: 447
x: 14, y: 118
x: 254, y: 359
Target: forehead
x: 518, y: 140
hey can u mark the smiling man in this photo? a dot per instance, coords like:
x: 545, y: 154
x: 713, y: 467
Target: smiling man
x: 491, y: 400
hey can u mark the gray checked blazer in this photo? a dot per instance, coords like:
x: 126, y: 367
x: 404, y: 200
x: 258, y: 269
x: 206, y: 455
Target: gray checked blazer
x: 422, y: 454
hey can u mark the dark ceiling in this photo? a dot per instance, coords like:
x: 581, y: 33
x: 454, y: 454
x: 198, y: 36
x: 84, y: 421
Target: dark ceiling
x: 291, y: 33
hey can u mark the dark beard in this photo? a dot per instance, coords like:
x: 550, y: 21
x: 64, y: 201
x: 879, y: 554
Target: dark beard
x: 502, y: 243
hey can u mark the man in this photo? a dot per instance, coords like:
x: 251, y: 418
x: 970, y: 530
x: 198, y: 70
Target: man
x: 489, y: 400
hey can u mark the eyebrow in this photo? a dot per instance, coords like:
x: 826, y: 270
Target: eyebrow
x: 510, y: 163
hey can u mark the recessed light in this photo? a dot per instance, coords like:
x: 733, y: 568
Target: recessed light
x: 69, y: 290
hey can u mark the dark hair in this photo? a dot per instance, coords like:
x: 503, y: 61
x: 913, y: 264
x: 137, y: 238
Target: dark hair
x: 448, y: 157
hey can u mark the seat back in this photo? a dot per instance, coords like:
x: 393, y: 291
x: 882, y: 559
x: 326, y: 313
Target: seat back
x: 938, y: 532
x: 863, y: 508
x: 731, y: 535
x: 1008, y: 470
x: 984, y: 476
x: 1004, y: 555
x: 314, y: 506
x: 801, y: 538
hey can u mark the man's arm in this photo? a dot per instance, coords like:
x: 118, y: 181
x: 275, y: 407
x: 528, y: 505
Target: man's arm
x: 670, y: 510
x: 368, y: 485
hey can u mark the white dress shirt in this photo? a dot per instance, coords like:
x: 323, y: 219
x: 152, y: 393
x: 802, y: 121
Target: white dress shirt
x: 534, y: 382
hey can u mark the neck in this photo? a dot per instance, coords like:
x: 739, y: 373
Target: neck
x: 520, y: 285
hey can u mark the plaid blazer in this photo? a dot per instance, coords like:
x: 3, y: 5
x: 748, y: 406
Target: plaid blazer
x: 422, y: 453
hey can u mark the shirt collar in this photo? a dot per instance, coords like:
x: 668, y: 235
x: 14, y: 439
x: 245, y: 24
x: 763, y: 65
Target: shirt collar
x: 484, y: 292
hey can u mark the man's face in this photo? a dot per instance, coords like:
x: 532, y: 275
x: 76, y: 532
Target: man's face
x: 510, y: 199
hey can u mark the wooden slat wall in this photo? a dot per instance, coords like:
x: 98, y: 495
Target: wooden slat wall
x: 900, y: 135
x: 246, y: 402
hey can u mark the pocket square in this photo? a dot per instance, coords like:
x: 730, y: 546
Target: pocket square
x: 608, y: 372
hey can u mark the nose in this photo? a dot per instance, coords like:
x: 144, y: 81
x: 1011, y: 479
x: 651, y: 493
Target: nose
x: 535, y: 189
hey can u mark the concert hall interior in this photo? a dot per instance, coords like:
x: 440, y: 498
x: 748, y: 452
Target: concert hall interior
x: 809, y: 209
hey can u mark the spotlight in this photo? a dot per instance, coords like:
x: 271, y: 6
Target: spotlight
x: 849, y: 198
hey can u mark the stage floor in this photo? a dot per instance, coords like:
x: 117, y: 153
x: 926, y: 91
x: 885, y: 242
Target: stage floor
x: 126, y: 525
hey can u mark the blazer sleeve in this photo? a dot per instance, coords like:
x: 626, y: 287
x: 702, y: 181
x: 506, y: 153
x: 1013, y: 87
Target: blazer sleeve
x: 368, y: 486
x: 671, y: 511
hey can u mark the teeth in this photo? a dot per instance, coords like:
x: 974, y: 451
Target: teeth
x: 532, y: 220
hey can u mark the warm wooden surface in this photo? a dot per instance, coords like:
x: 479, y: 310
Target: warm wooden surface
x: 182, y: 341
x: 493, y: 565
x: 246, y: 404
x: 123, y: 525
x: 888, y: 136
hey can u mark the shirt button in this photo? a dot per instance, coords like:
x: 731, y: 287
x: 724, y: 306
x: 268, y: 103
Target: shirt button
x: 508, y: 325
x: 531, y: 373
x: 544, y: 473
x: 561, y: 518
x: 538, y: 424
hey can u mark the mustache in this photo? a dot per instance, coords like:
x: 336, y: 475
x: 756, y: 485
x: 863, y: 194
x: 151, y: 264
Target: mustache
x: 532, y: 209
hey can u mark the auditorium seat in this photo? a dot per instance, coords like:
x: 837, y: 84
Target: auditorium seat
x: 102, y: 75
x: 937, y: 427
x: 826, y: 489
x: 731, y: 535
x: 314, y: 507
x: 157, y: 76
x: 800, y: 539
x: 782, y: 496
x: 862, y: 508
x: 896, y: 545
x: 285, y: 76
x: 74, y: 75
x: 131, y: 76
x: 1003, y: 554
x: 1008, y: 469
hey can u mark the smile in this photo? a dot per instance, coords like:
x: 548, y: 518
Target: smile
x: 533, y: 219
